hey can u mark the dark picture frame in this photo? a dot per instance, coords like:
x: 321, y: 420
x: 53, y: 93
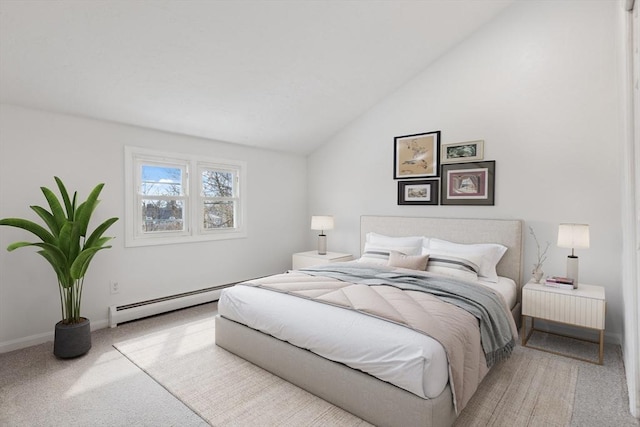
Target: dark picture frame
x: 471, y: 183
x: 418, y: 192
x: 462, y: 152
x: 416, y: 156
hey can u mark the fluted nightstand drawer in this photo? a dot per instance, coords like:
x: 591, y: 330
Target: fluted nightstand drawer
x: 584, y: 306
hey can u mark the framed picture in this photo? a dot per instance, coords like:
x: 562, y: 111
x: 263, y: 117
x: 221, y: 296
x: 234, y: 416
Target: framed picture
x: 416, y: 156
x: 463, y: 152
x: 422, y: 192
x: 470, y: 183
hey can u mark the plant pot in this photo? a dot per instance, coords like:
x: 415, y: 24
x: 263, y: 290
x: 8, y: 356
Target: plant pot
x: 72, y: 340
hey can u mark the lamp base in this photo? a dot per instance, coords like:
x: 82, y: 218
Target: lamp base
x: 572, y: 269
x: 322, y: 244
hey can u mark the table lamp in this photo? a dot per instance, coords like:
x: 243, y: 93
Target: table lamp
x: 322, y: 223
x: 574, y: 236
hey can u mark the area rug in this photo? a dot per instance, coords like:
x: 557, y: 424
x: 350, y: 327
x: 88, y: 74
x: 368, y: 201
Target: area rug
x: 222, y: 388
x: 529, y: 389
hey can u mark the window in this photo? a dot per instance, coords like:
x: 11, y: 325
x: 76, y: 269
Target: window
x: 165, y: 205
x: 220, y: 200
x: 161, y: 197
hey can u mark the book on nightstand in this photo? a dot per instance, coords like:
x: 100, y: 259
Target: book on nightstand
x: 560, y: 282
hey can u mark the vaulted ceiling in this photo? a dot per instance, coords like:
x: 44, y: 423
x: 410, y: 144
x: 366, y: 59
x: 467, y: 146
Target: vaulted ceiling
x: 283, y: 75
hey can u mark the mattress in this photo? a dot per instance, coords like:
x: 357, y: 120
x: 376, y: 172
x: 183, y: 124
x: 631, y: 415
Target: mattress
x: 505, y: 287
x: 391, y: 352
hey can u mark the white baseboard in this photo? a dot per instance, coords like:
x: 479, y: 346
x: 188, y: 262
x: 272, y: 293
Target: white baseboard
x: 129, y: 312
x: 24, y: 342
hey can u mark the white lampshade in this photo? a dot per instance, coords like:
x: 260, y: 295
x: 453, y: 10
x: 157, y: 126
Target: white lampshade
x: 573, y: 236
x: 322, y: 222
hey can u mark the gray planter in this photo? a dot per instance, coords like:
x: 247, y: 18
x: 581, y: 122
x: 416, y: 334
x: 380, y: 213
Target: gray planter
x: 72, y: 340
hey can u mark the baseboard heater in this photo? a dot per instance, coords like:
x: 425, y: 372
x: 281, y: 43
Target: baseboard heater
x: 139, y: 310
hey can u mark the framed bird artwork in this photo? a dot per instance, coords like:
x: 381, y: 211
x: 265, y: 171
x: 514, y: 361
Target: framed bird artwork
x: 417, y: 156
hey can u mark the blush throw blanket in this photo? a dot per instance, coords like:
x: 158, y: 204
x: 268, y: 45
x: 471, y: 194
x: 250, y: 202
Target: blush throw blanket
x: 470, y: 321
x: 485, y: 305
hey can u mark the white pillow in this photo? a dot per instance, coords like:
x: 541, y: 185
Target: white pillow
x: 454, y: 264
x: 379, y: 254
x: 491, y: 254
x: 413, y: 262
x: 382, y: 240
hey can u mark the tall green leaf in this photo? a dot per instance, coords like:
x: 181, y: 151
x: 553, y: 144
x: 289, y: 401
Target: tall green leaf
x: 85, y: 210
x: 53, y: 254
x: 99, y: 242
x: 64, y: 239
x: 56, y: 207
x: 47, y: 218
x: 97, y: 233
x: 75, y: 247
x: 65, y: 197
x: 81, y: 263
x: 53, y: 261
x: 31, y: 227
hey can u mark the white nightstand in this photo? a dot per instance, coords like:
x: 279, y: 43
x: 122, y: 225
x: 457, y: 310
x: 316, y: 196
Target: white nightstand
x: 311, y: 258
x: 583, y: 307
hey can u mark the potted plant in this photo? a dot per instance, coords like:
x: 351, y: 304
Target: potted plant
x: 68, y: 248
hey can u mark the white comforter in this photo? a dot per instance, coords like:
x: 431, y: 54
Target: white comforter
x: 388, y: 351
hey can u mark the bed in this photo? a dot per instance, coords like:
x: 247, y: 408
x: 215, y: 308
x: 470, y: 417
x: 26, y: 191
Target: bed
x: 375, y: 400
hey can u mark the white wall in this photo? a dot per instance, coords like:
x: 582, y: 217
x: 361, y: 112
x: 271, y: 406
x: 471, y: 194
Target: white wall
x: 538, y: 85
x: 35, y: 146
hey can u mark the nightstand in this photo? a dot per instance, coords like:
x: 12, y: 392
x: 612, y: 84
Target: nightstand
x: 584, y: 307
x: 311, y: 258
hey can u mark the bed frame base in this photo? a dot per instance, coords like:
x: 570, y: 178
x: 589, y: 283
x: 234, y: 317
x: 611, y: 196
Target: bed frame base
x: 363, y: 395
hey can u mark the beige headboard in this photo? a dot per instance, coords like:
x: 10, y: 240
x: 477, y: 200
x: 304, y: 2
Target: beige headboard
x: 459, y: 230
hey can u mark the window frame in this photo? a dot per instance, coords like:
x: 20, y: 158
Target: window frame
x: 193, y: 197
x: 139, y: 197
x: 236, y: 198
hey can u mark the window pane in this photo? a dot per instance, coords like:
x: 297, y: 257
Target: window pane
x: 161, y: 181
x: 217, y: 183
x: 162, y: 215
x: 218, y: 215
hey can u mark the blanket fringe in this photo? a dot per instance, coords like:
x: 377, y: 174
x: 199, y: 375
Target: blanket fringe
x: 500, y: 354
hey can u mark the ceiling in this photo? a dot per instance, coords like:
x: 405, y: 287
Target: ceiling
x: 283, y: 75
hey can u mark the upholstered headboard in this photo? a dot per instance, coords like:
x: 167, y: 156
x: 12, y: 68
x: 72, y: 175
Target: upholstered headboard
x: 459, y: 230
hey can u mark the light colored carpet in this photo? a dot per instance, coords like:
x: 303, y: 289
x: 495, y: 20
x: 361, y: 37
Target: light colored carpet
x: 529, y: 389
x: 222, y: 388
x: 99, y: 389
